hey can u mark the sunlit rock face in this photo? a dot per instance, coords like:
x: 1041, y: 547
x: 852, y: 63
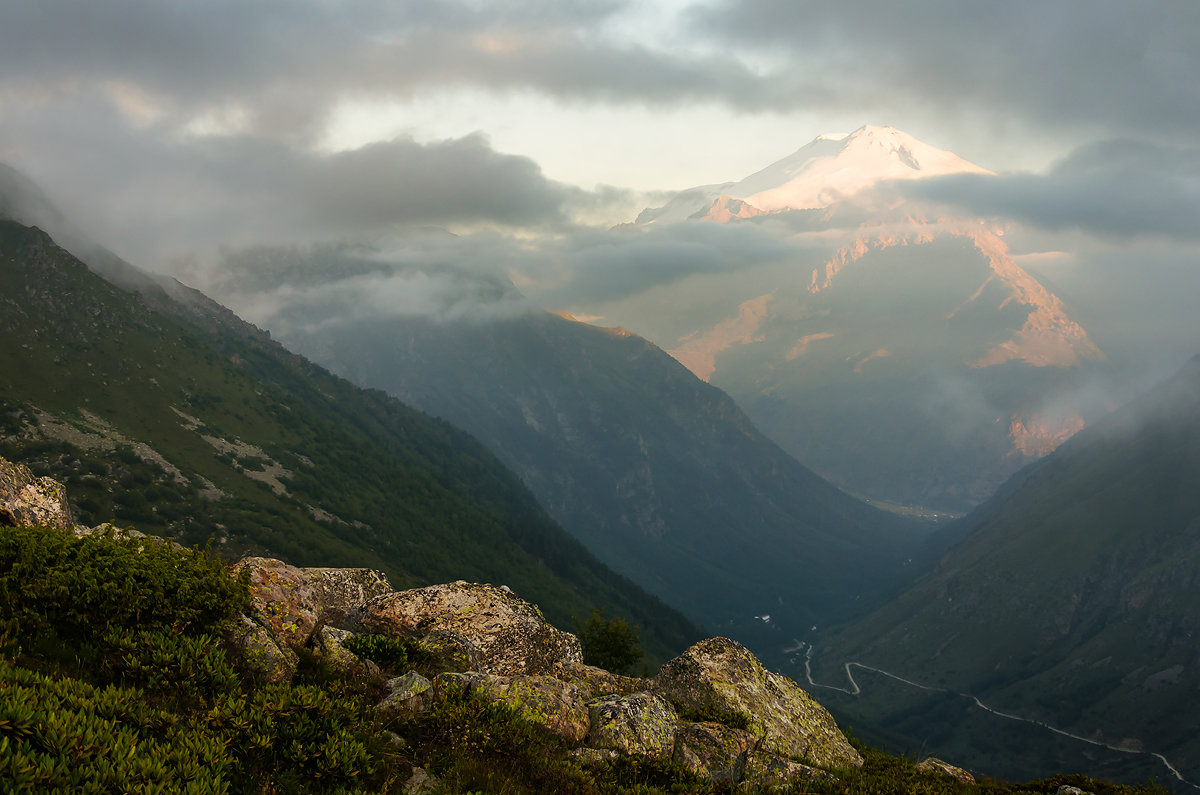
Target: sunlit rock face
x: 510, y: 634
x: 29, y: 500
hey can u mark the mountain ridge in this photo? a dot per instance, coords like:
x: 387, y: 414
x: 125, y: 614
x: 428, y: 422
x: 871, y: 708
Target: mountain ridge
x: 1071, y: 595
x: 216, y: 432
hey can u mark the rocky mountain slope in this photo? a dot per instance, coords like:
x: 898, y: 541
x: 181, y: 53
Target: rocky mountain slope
x: 172, y: 415
x: 904, y: 354
x: 1072, y: 595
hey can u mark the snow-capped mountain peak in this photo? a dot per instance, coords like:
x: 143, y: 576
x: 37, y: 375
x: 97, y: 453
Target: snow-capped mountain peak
x: 831, y: 167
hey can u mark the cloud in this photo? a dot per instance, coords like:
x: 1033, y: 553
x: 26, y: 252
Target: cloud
x: 1127, y: 68
x: 1112, y: 189
x: 433, y: 274
x: 422, y: 273
x: 611, y: 266
x: 152, y: 195
x: 278, y: 69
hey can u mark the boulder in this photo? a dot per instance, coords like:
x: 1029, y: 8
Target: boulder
x: 32, y: 501
x: 292, y: 601
x: 765, y: 769
x: 341, y: 591
x: 596, y: 682
x: 510, y: 634
x: 420, y: 782
x: 934, y: 765
x: 265, y: 658
x: 543, y: 700
x: 640, y: 723
x: 445, y: 650
x: 721, y: 675
x: 407, y: 694
x: 713, y: 750
x: 329, y: 643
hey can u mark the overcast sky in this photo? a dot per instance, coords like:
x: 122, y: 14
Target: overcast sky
x: 175, y: 129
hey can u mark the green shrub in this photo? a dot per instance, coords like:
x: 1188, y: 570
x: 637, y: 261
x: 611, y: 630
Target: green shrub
x: 61, y: 734
x: 610, y: 643
x: 388, y: 652
x: 75, y: 589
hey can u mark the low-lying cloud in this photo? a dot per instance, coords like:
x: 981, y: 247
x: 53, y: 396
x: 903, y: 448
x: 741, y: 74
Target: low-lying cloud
x: 1111, y: 189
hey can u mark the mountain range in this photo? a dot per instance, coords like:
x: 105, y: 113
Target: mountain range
x: 901, y: 352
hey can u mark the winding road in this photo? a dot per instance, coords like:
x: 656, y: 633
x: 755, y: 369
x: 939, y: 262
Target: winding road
x: 855, y: 690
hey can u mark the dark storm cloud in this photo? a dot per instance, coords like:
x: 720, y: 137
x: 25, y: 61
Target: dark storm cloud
x: 284, y: 64
x: 1111, y: 189
x: 1129, y: 67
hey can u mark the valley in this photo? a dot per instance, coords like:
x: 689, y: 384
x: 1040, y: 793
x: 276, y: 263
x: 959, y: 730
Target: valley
x: 882, y: 453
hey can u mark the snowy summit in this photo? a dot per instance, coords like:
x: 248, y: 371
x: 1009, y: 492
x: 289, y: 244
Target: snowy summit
x: 831, y: 167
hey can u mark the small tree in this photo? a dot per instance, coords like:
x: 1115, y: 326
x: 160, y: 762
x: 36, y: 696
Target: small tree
x: 609, y: 643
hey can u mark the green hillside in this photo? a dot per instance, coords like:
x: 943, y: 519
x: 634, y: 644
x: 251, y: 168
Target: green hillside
x: 1073, y: 596
x: 166, y: 413
x: 662, y: 476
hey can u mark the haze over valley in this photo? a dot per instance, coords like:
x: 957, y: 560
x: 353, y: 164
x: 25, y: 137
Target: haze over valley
x: 863, y: 336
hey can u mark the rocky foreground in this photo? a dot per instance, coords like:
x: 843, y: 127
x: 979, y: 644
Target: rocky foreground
x: 487, y: 640
x: 715, y: 710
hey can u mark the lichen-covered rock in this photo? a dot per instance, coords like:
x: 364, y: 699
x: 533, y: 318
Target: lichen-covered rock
x: 640, y: 723
x: 266, y: 659
x: 721, y: 674
x: 329, y: 643
x: 714, y: 750
x: 341, y: 591
x: 409, y: 694
x: 292, y: 601
x: 26, y: 500
x: 449, y: 651
x: 934, y: 765
x: 511, y: 635
x: 765, y: 769
x: 420, y: 782
x: 283, y: 600
x: 544, y: 700
x: 596, y: 682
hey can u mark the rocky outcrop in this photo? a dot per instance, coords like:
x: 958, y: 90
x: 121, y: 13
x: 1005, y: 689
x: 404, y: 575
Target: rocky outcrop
x: 406, y: 694
x: 510, y: 634
x: 486, y: 642
x: 641, y: 723
x: 766, y: 769
x: 714, y: 750
x: 292, y: 602
x: 595, y: 682
x: 33, y: 501
x: 267, y: 659
x: 722, y: 676
x: 932, y: 764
